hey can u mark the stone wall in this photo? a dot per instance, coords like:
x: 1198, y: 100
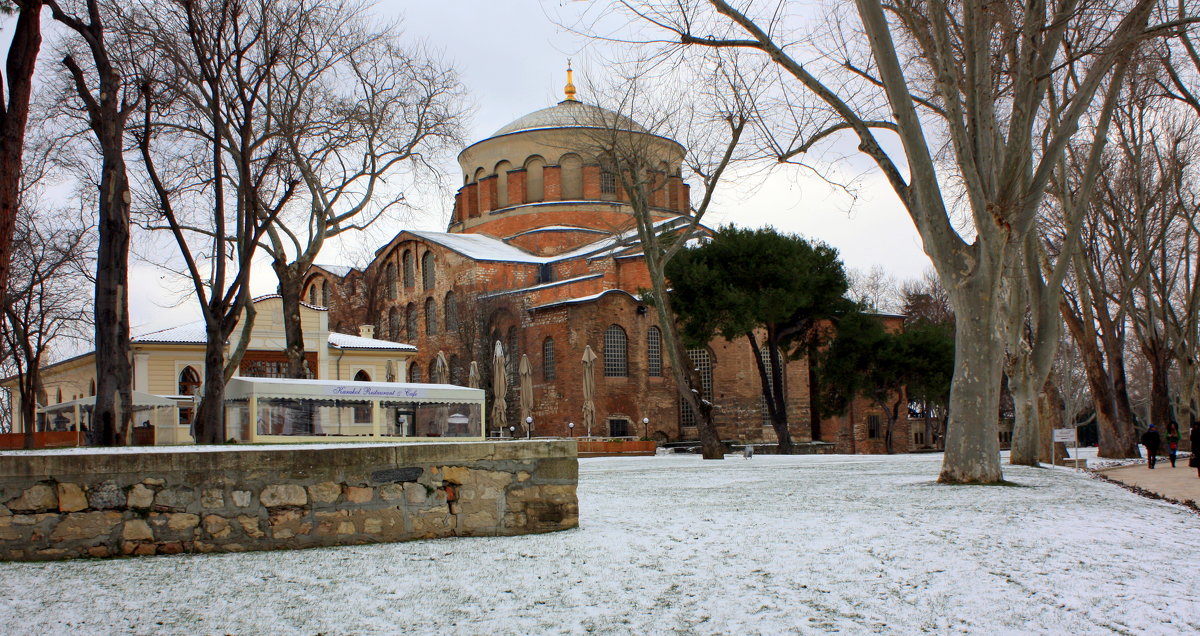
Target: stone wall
x: 59, y: 506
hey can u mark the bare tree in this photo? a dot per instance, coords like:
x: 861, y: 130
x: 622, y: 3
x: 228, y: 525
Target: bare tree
x: 635, y: 156
x: 360, y: 117
x: 216, y: 170
x: 975, y: 75
x: 109, y: 100
x: 48, y: 301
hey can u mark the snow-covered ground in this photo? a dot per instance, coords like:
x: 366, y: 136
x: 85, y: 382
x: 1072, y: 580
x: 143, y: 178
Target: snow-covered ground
x: 811, y: 544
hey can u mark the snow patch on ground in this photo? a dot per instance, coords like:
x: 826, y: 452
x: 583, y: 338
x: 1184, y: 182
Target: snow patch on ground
x: 793, y: 544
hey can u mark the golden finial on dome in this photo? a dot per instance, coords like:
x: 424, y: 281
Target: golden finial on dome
x: 569, y: 89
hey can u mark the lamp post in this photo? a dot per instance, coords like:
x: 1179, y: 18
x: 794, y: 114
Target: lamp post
x: 646, y: 427
x: 529, y: 427
x: 571, y: 427
x: 512, y: 432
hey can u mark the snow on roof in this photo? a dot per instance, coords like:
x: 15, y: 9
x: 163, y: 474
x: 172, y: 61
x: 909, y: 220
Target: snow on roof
x: 194, y: 333
x: 566, y: 281
x: 481, y: 247
x: 347, y: 341
x: 559, y: 228
x: 570, y: 114
x: 341, y: 271
x: 583, y: 299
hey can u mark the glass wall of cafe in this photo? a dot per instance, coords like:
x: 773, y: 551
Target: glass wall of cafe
x: 287, y: 410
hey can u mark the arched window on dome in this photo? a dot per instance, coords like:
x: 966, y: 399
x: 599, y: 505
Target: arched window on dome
x: 389, y: 273
x: 414, y: 372
x: 548, y: 370
x: 324, y: 293
x: 502, y: 199
x: 393, y: 332
x: 312, y: 293
x: 534, y: 188
x: 479, y: 175
x: 571, y: 171
x: 608, y: 183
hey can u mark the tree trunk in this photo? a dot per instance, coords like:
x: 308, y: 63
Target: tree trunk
x: 209, y: 425
x: 972, y: 445
x: 1114, y: 442
x: 772, y: 391
x: 1051, y: 412
x: 290, y: 289
x: 113, y: 411
x: 1160, y: 393
x: 22, y: 57
x: 1026, y: 425
x: 29, y: 389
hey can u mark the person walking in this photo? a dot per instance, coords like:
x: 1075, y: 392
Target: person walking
x: 1172, y: 440
x: 1152, y: 440
x: 1194, y: 433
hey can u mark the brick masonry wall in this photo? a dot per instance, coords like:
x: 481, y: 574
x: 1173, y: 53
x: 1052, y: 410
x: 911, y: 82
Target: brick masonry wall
x: 61, y: 506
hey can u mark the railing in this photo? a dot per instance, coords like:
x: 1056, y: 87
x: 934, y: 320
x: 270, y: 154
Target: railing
x: 47, y: 439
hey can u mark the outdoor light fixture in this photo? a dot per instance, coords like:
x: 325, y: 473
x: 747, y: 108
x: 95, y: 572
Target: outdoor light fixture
x: 512, y: 431
x: 571, y: 427
x: 529, y: 427
x: 646, y: 427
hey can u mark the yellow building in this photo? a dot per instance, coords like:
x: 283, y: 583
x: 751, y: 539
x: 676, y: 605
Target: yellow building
x: 170, y: 363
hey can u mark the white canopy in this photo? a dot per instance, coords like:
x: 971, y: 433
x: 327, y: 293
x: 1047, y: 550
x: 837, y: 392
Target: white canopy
x: 140, y: 401
x: 331, y: 390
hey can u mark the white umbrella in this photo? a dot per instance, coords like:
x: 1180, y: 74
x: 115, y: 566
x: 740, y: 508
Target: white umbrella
x: 526, y: 371
x: 589, y: 388
x: 499, y: 389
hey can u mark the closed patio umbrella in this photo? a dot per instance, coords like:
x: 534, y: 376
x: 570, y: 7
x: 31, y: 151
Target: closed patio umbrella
x: 441, y: 372
x: 589, y: 388
x: 473, y: 375
x: 526, y: 371
x: 499, y: 389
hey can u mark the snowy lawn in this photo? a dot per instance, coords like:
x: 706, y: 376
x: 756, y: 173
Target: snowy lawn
x: 809, y: 544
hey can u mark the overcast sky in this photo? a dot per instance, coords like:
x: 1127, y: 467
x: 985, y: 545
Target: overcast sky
x: 512, y: 58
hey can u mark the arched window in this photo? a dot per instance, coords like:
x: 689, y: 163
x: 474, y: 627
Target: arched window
x: 703, y: 362
x: 312, y: 293
x: 616, y: 352
x: 362, y: 413
x: 548, y: 372
x: 608, y: 183
x: 58, y: 399
x: 654, y: 353
x: 189, y: 384
x: 410, y: 326
x: 427, y: 271
x: 430, y: 317
x: 450, y: 307
x: 410, y: 277
x: 189, y: 381
x: 393, y: 332
x: 765, y: 354
x: 414, y: 372
x: 502, y: 199
x: 571, y: 175
x: 513, y: 358
x: 390, y: 275
x: 534, y: 189
x: 324, y: 294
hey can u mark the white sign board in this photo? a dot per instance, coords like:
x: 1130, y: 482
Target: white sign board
x: 1064, y: 435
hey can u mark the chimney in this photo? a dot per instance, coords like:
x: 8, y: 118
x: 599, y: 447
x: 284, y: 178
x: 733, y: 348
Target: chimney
x: 366, y: 331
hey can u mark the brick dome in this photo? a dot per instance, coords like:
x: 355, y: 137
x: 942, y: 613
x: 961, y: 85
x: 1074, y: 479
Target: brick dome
x: 571, y: 114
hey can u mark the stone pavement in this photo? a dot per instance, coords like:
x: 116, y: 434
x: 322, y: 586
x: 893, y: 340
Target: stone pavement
x: 1178, y: 484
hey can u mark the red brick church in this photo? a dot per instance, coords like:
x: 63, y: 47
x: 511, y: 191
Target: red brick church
x: 541, y: 254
